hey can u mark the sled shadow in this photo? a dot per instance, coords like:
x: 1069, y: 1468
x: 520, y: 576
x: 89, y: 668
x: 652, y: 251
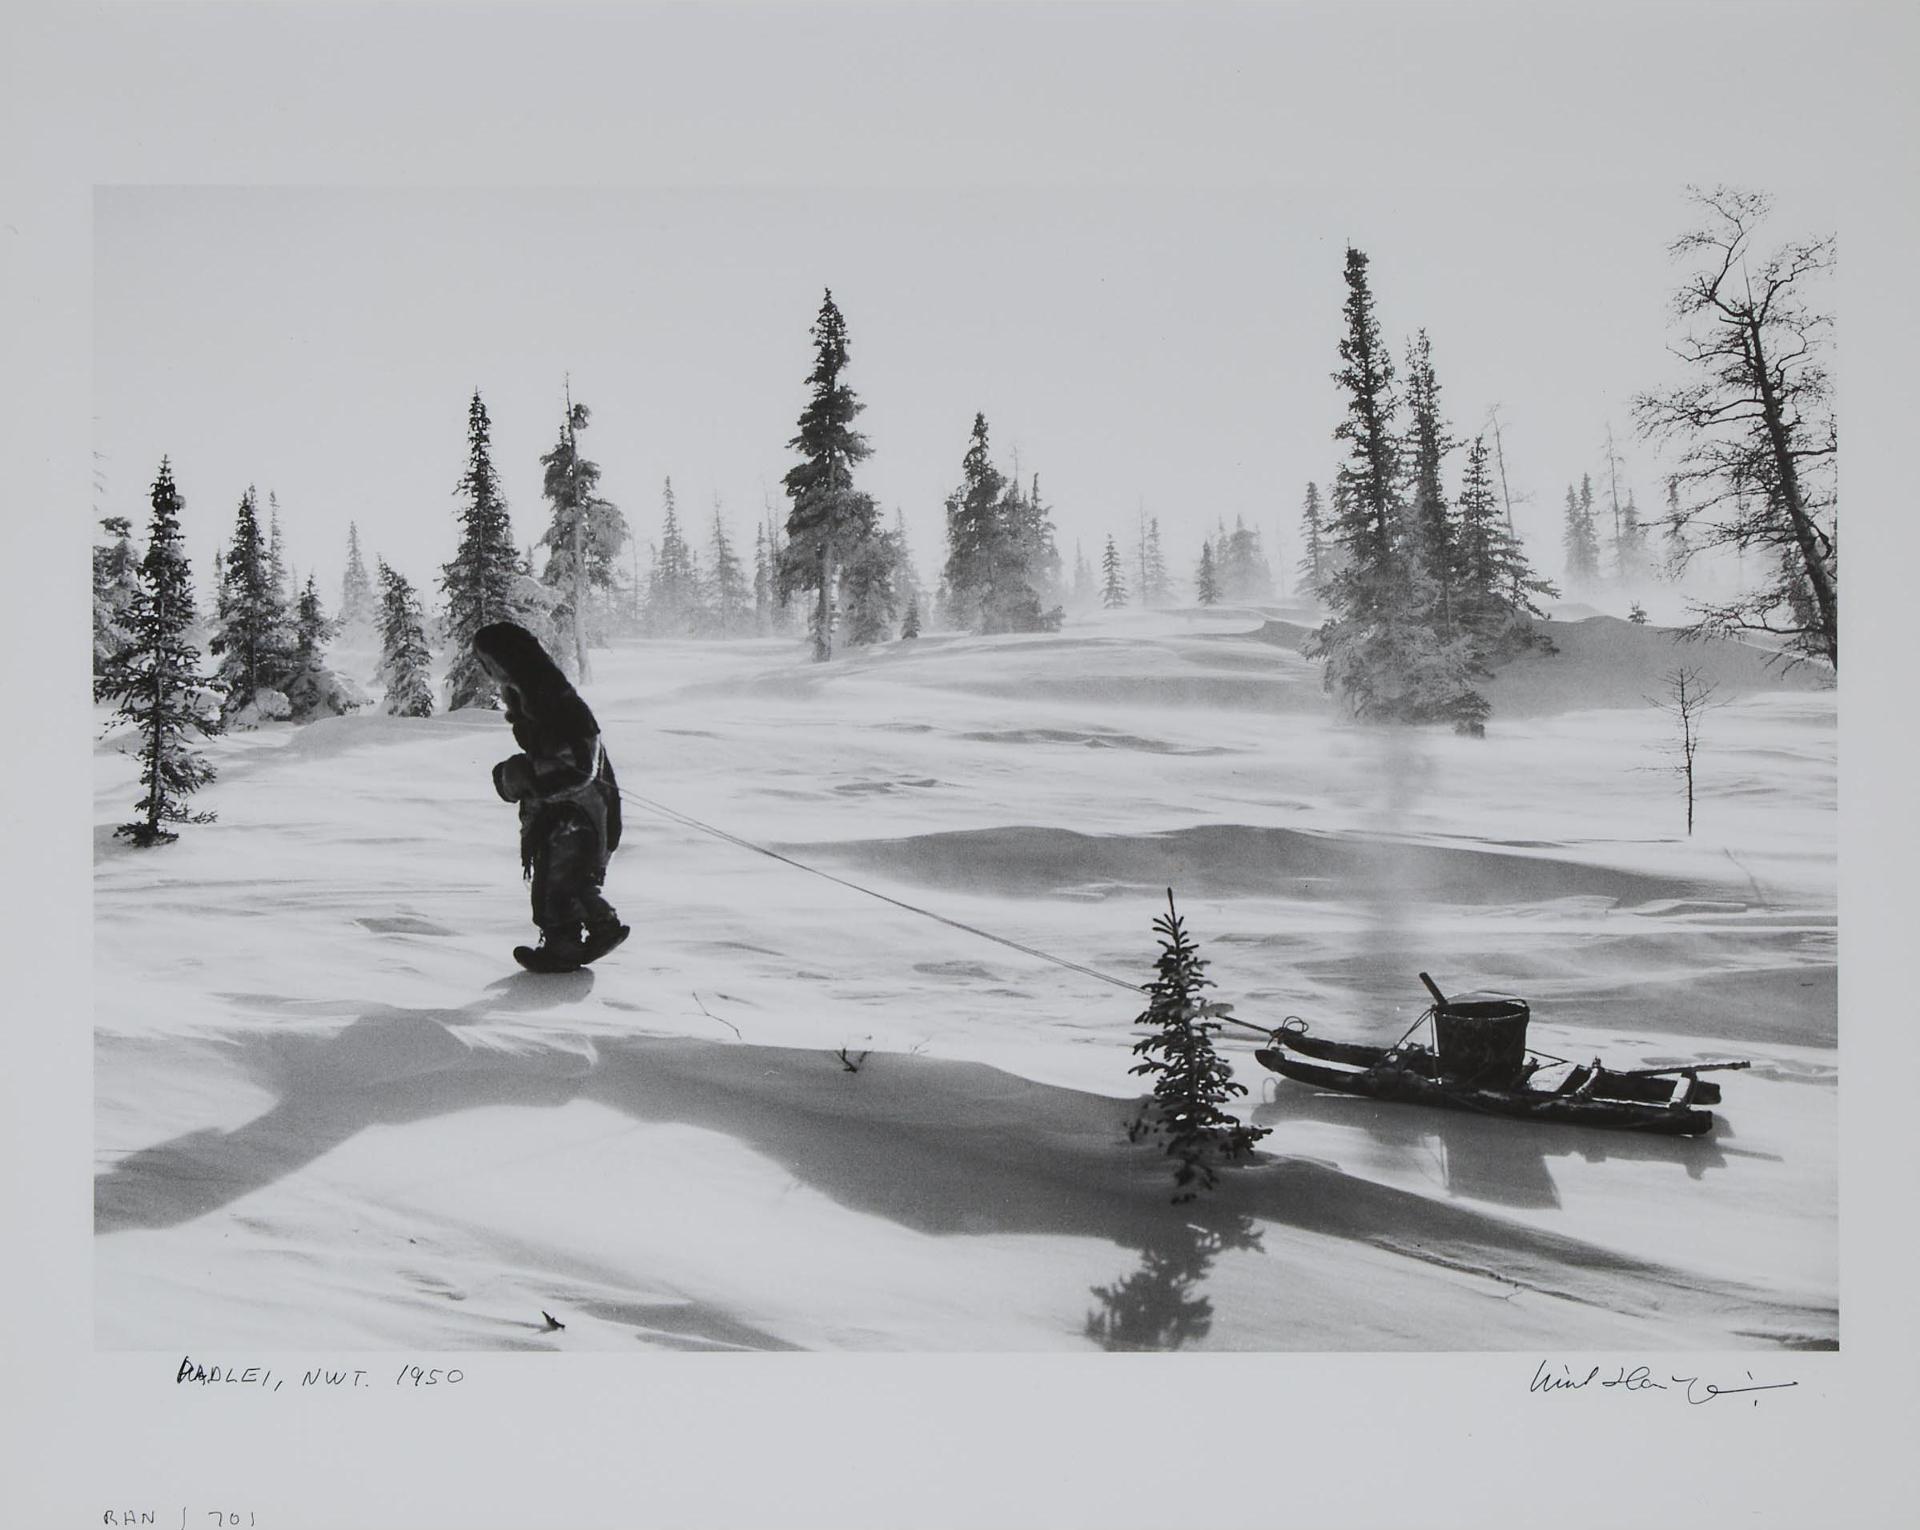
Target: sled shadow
x: 1504, y: 1163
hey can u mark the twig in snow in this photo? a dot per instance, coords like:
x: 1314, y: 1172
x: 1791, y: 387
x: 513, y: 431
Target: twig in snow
x: 712, y: 1016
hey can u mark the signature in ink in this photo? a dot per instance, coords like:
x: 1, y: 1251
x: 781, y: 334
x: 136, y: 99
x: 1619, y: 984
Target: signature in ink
x: 1709, y: 1390
x: 1640, y: 1378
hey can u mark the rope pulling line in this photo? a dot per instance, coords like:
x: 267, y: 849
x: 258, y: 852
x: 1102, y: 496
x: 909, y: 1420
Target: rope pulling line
x: 687, y: 820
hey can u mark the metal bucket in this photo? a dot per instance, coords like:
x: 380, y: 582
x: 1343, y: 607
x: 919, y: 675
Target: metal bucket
x: 1481, y: 1038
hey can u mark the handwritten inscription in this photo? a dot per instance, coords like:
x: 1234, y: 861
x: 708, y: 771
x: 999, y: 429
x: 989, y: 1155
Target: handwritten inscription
x: 1640, y: 1378
x: 411, y: 1377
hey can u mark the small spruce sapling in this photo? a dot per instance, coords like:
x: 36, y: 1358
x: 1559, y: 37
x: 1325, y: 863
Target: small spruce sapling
x: 1192, y: 1081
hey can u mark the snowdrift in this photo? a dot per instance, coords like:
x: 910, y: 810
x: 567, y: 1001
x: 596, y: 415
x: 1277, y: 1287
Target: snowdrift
x: 787, y: 1115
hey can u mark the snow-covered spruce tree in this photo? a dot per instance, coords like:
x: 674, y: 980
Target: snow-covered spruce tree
x: 157, y: 679
x: 1000, y: 551
x: 1495, y: 602
x: 829, y: 521
x: 116, y: 579
x: 481, y: 581
x: 1113, y: 586
x: 729, y: 600
x: 906, y: 578
x: 1191, y: 1081
x: 762, y: 583
x: 1206, y: 583
x: 867, y: 583
x: 973, y: 556
x: 1579, y: 538
x: 1038, y: 554
x: 1156, y: 584
x: 910, y: 623
x: 357, y: 603
x: 314, y: 690
x: 1430, y: 539
x: 583, y: 537
x: 675, y: 604
x: 1314, y: 563
x: 1244, y: 572
x: 252, y: 629
x: 404, y: 657
x: 1383, y: 659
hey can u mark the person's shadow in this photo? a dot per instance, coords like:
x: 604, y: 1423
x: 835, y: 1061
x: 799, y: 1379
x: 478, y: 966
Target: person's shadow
x: 387, y: 1067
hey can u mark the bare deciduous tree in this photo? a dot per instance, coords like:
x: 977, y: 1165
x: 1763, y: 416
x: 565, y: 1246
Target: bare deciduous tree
x: 1757, y: 424
x: 1686, y: 699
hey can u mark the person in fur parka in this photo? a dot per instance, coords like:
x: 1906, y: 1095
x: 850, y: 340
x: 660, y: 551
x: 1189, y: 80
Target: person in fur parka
x: 569, y: 800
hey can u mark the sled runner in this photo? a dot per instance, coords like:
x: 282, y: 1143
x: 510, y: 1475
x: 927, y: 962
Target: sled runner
x: 1478, y: 1060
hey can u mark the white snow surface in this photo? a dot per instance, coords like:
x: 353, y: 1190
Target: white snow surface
x: 330, y: 1111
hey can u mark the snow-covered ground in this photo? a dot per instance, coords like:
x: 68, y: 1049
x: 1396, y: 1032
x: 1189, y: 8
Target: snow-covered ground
x: 331, y: 1111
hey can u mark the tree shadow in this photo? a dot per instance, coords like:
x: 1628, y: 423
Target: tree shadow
x: 1161, y: 1305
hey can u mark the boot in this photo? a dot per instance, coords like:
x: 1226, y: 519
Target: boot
x: 559, y: 951
x: 603, y: 934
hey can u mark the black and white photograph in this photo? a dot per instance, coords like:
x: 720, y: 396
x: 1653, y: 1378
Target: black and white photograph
x: 1137, y: 707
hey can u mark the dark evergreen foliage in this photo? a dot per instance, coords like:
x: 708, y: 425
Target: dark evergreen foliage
x: 116, y: 580
x: 1113, y: 587
x: 1315, y: 563
x: 156, y: 678
x: 729, y: 606
x: 357, y: 604
x: 829, y: 520
x: 404, y: 657
x: 675, y: 604
x: 252, y: 631
x: 1191, y: 1081
x: 1000, y: 552
x: 480, y: 582
x: 1206, y: 582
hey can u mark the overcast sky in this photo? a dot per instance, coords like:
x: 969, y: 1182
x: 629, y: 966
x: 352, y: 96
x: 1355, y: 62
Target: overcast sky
x: 1162, y: 348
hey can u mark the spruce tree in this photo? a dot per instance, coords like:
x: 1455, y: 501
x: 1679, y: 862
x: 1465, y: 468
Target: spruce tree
x: 404, y: 657
x: 1313, y: 565
x: 1206, y: 582
x: 1581, y: 544
x: 675, y: 606
x: 252, y: 632
x: 1192, y: 1083
x: 116, y: 580
x: 583, y: 538
x: 868, y: 583
x: 728, y: 598
x: 828, y: 521
x: 357, y: 604
x: 974, y: 561
x: 906, y: 572
x: 1386, y: 655
x: 1244, y: 573
x: 1113, y: 588
x: 315, y: 690
x: 480, y: 582
x: 910, y: 623
x: 1368, y: 642
x: 1431, y: 537
x: 762, y: 583
x: 156, y: 678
